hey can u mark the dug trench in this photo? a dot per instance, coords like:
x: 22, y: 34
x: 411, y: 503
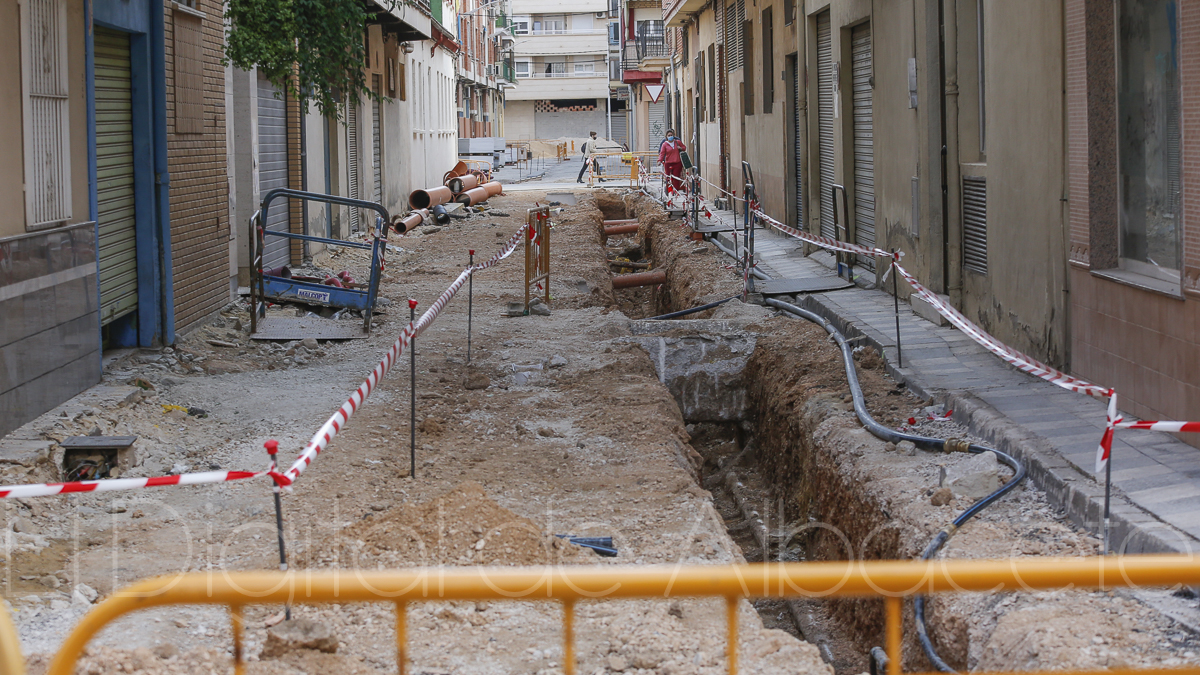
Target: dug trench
x: 675, y: 439
x: 796, y: 477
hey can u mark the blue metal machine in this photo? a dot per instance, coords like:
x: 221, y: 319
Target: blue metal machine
x: 283, y: 289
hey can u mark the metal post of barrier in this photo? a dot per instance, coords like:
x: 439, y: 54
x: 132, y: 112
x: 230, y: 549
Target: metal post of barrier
x: 402, y: 637
x: 537, y: 254
x: 237, y: 626
x: 412, y: 417
x: 569, y: 636
x: 470, y: 301
x: 731, y: 620
x: 272, y: 447
x: 895, y: 625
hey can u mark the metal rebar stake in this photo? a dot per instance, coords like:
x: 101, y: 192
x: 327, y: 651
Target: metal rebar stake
x: 272, y: 447
x: 412, y: 418
x: 470, y: 301
x: 1107, y: 496
x: 896, y: 303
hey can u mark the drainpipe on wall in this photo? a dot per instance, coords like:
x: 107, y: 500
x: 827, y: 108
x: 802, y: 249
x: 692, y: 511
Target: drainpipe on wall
x: 951, y: 209
x: 162, y: 175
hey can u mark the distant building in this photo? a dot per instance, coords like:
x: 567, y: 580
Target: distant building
x: 561, y: 61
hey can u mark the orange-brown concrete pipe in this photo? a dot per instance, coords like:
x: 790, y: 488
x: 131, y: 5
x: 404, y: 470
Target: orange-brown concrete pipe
x: 620, y: 222
x: 652, y: 278
x: 429, y: 198
x: 493, y: 188
x: 472, y: 197
x: 460, y: 184
x: 621, y: 229
x: 410, y: 221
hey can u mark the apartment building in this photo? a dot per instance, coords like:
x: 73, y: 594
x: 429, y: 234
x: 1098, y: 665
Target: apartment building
x: 482, y: 72
x: 561, y: 64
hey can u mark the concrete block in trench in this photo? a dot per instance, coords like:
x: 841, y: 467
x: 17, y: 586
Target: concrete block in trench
x: 704, y: 372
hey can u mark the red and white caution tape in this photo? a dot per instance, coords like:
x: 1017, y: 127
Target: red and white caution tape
x: 338, y: 420
x: 1022, y: 362
x: 318, y: 443
x: 823, y: 242
x: 113, y: 484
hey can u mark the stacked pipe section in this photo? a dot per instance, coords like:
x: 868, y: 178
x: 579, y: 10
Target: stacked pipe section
x: 459, y: 185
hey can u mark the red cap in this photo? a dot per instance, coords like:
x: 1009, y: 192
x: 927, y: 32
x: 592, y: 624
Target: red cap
x: 412, y: 304
x: 471, y: 251
x: 272, y: 446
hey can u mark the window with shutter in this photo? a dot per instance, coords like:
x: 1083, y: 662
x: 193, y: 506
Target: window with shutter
x: 45, y: 113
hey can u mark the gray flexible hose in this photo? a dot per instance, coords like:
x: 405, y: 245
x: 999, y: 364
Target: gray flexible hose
x: 923, y: 442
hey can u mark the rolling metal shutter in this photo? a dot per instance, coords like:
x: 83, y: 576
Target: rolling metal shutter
x: 273, y: 169
x: 620, y: 128
x: 733, y: 37
x: 114, y: 176
x: 825, y: 121
x: 797, y: 143
x: 864, y: 141
x: 974, y: 201
x: 658, y: 125
x: 377, y: 142
x: 352, y: 160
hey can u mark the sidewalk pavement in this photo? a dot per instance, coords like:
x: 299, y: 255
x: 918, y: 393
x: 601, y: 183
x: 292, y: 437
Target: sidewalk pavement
x: 1156, y: 477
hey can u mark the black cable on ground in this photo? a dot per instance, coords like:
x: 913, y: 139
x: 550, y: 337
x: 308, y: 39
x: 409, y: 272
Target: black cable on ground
x: 923, y: 442
x: 685, y: 312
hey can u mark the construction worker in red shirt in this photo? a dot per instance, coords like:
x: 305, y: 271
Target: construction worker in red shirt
x: 668, y: 157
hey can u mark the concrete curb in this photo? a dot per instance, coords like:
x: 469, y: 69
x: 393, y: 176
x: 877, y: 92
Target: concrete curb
x: 1133, y: 529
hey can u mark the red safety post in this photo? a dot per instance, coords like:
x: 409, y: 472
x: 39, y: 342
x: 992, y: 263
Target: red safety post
x: 470, y: 299
x: 272, y: 447
x: 412, y: 419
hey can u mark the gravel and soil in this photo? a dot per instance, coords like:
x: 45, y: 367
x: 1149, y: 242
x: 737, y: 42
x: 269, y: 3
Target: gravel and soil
x: 557, y: 425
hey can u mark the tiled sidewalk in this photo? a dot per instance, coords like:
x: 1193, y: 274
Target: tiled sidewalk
x: 1156, y: 505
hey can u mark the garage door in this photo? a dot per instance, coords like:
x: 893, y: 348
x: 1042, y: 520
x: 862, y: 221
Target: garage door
x: 797, y: 142
x: 114, y: 176
x: 864, y: 140
x: 352, y: 157
x: 825, y: 95
x: 273, y: 168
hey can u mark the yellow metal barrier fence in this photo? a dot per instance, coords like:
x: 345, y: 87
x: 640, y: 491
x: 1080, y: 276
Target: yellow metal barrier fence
x: 620, y: 166
x: 11, y: 662
x: 569, y: 584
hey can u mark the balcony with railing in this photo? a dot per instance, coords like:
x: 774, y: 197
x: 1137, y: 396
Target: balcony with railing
x: 648, y: 52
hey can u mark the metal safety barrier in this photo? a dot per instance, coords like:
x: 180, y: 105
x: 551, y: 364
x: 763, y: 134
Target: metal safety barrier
x: 891, y: 580
x: 537, y: 255
x: 621, y: 166
x: 11, y: 662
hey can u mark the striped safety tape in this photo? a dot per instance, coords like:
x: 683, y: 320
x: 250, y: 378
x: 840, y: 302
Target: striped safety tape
x: 1022, y: 362
x: 318, y: 443
x: 338, y: 420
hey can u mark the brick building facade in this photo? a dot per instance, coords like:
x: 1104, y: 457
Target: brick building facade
x: 1134, y: 138
x: 196, y: 156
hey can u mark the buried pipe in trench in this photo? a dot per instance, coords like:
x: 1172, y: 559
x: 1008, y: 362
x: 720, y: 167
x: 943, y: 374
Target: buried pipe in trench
x: 685, y: 312
x: 925, y: 443
x: 610, y: 230
x: 652, y: 278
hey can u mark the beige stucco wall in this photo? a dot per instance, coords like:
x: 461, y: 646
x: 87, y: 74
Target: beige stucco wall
x: 12, y: 197
x: 1021, y: 299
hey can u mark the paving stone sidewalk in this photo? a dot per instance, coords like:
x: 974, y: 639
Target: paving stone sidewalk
x: 1156, y: 504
